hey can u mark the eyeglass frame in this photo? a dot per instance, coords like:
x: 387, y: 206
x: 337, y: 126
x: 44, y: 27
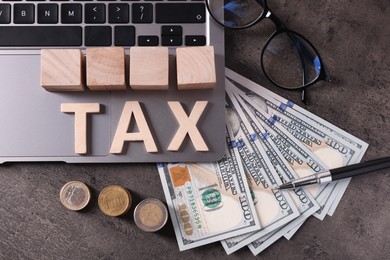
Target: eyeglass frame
x: 280, y: 28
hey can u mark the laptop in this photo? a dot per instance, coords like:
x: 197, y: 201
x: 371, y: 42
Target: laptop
x: 32, y: 126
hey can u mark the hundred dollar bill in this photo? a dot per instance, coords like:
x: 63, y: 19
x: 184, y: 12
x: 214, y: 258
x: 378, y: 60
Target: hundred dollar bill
x: 303, y: 199
x: 292, y: 231
x: 208, y: 202
x: 332, y: 149
x: 298, y: 157
x: 304, y: 117
x: 301, y: 159
x: 262, y: 243
x: 325, y: 191
x: 357, y: 145
x: 274, y: 208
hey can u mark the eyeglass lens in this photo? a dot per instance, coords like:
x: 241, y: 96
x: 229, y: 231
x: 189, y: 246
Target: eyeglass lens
x: 290, y: 61
x: 236, y: 13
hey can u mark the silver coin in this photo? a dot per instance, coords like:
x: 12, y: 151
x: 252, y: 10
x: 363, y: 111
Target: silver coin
x: 75, y: 195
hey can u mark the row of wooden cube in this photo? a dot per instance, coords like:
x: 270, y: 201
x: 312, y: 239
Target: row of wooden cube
x: 64, y: 70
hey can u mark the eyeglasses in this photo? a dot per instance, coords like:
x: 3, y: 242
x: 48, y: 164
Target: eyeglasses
x: 288, y: 59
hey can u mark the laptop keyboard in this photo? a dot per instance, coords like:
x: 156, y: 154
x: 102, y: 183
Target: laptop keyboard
x: 84, y: 23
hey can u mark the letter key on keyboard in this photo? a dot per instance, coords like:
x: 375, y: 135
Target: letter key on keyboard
x: 5, y: 13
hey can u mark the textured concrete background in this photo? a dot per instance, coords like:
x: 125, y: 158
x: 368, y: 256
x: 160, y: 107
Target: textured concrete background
x: 353, y: 40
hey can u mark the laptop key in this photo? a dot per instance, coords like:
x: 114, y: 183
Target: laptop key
x: 195, y: 40
x: 95, y: 13
x: 174, y: 40
x: 124, y: 36
x: 47, y: 13
x: 71, y: 13
x: 148, y: 40
x: 118, y: 13
x: 180, y: 13
x: 5, y: 16
x: 171, y: 30
x: 19, y: 36
x: 24, y: 13
x: 97, y: 36
x: 142, y: 13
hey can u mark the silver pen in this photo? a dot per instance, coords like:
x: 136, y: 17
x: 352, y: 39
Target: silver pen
x: 338, y: 173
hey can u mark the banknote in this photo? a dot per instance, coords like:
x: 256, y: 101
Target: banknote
x: 201, y: 196
x: 333, y: 150
x: 302, y: 160
x: 303, y: 199
x: 262, y: 243
x: 261, y: 132
x: 275, y: 208
x: 303, y: 116
x: 358, y: 146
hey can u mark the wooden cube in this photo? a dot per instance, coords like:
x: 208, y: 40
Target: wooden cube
x: 149, y: 68
x: 195, y: 67
x: 106, y: 68
x: 62, y: 70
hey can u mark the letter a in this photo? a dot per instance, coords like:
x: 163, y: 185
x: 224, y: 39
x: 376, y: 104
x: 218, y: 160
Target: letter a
x: 121, y: 135
x: 187, y: 124
x: 80, y: 122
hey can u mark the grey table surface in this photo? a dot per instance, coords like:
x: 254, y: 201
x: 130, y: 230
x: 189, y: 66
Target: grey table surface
x: 353, y: 40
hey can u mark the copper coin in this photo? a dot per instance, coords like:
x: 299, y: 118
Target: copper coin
x: 75, y: 195
x: 114, y: 200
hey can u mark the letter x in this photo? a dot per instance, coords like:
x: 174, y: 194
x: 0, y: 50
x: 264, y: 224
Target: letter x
x: 187, y: 124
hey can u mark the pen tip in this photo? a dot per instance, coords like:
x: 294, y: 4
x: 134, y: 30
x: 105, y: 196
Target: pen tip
x: 286, y: 186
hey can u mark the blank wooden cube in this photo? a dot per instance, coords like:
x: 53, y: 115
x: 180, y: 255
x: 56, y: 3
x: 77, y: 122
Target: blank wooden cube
x: 195, y: 67
x: 149, y: 68
x: 62, y: 70
x: 106, y: 68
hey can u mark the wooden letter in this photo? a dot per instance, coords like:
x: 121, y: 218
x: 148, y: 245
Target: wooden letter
x: 106, y: 68
x: 149, y: 68
x: 144, y: 134
x: 80, y: 122
x: 187, y: 124
x: 195, y: 67
x: 61, y: 70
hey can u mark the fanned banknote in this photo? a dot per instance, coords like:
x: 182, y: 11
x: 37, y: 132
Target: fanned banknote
x: 302, y: 160
x: 334, y: 150
x: 269, y: 140
x: 274, y: 208
x: 208, y: 202
x: 314, y: 132
x: 303, y: 199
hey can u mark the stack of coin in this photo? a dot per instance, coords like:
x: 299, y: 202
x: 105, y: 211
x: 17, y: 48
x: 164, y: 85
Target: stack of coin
x: 114, y: 200
x: 150, y: 215
x: 75, y: 195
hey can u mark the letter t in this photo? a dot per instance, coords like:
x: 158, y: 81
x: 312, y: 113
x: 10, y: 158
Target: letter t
x: 81, y: 112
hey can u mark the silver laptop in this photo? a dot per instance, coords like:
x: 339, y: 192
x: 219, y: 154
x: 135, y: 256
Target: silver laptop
x: 32, y: 126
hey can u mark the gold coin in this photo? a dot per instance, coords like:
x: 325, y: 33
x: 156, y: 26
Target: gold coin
x: 114, y: 200
x: 75, y: 195
x: 150, y: 215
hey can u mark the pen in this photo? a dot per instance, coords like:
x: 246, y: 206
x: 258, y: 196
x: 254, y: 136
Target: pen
x: 338, y: 173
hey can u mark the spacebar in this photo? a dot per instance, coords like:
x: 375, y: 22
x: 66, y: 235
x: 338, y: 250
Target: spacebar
x: 18, y: 36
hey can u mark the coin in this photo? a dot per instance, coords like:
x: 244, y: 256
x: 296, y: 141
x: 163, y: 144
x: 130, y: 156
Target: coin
x: 150, y: 215
x: 114, y: 200
x: 75, y: 195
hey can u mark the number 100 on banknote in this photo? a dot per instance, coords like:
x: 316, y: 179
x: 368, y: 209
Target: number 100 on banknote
x: 208, y: 202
